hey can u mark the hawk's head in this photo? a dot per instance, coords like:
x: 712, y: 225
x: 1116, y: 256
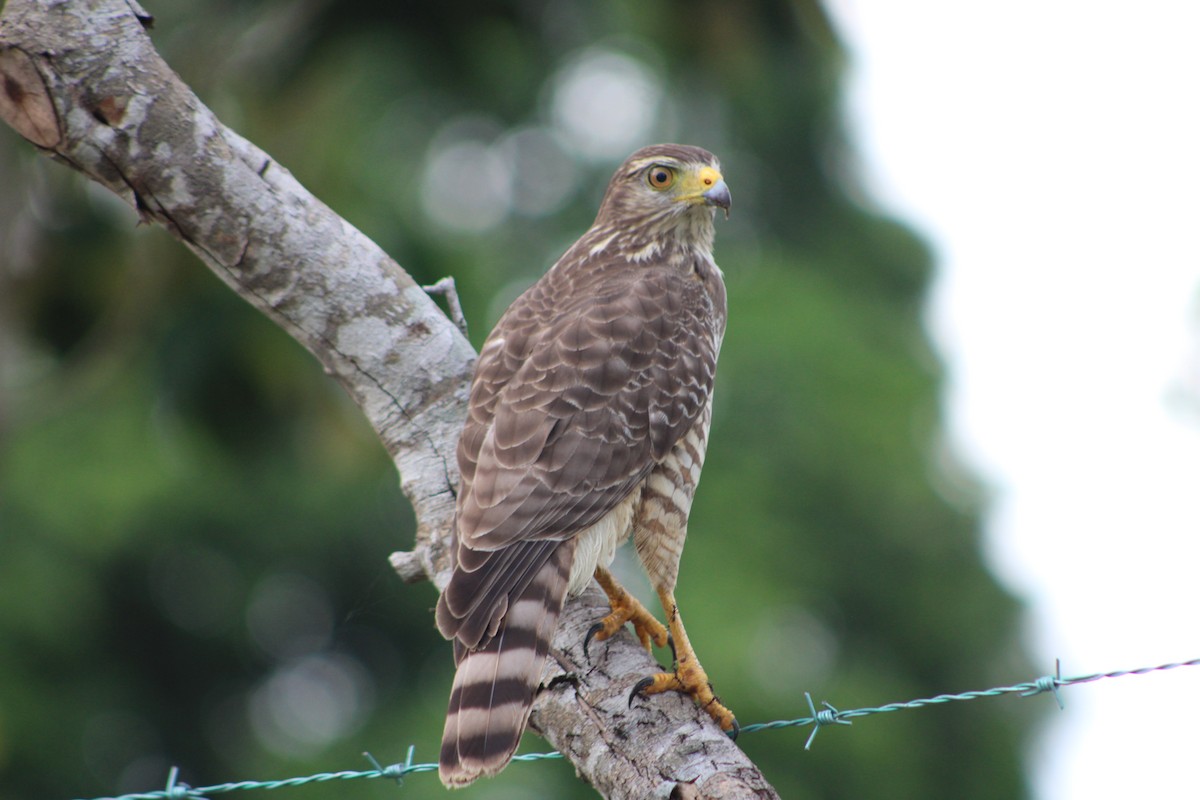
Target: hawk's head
x: 666, y: 189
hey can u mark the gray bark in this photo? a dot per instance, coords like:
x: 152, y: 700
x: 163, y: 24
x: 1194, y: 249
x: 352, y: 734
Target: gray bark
x: 83, y: 83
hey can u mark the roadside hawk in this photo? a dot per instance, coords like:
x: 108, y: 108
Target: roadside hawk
x: 588, y: 422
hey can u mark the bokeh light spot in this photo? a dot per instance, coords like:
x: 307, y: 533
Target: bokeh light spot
x: 311, y: 702
x: 605, y: 103
x: 544, y: 174
x: 466, y: 186
x: 289, y: 615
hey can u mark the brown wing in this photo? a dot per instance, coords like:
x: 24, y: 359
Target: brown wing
x: 607, y: 387
x: 571, y: 408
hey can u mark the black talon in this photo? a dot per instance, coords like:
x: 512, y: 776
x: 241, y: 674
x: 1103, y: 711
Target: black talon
x: 733, y: 732
x: 671, y: 644
x: 638, y: 688
x: 587, y: 639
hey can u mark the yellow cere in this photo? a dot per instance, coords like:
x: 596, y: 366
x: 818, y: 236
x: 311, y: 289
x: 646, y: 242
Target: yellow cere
x: 696, y: 183
x: 709, y: 178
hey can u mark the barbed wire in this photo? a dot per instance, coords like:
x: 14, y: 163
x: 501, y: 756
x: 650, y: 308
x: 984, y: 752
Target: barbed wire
x: 828, y: 715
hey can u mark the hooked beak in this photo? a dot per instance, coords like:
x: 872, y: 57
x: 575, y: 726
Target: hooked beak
x: 719, y: 196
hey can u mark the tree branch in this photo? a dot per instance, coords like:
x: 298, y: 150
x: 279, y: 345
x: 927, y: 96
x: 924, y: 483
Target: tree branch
x: 83, y: 82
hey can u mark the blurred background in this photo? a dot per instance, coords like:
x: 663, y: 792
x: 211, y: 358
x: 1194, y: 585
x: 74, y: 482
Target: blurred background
x: 195, y: 521
x: 1049, y: 150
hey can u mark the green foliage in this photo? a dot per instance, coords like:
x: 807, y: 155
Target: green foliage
x: 194, y: 522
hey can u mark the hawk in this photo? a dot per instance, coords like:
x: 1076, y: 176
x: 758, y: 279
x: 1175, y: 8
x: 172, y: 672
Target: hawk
x: 588, y: 421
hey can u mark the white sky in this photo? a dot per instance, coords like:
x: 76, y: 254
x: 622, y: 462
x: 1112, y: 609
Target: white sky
x: 1051, y: 151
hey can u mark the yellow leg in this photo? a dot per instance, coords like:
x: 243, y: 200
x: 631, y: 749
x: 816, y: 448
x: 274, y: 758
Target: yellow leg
x: 625, y: 608
x: 689, y: 677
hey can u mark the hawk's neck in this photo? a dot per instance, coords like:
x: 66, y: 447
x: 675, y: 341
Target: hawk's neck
x: 677, y: 238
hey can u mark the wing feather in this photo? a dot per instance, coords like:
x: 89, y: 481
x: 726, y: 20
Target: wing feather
x: 601, y: 378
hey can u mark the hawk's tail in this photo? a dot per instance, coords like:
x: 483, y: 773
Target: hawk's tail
x: 495, y: 684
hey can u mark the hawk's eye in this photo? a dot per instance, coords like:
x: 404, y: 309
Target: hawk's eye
x: 661, y: 177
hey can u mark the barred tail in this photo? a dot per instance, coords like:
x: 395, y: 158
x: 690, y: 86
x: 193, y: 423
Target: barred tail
x: 495, y: 684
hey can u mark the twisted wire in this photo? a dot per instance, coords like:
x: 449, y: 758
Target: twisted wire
x: 828, y: 715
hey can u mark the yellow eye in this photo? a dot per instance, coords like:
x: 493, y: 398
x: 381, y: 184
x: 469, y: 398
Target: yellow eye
x: 660, y: 177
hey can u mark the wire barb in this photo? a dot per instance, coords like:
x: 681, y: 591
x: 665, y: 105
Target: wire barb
x: 826, y: 716
x: 1049, y: 683
x: 177, y: 789
x: 391, y: 770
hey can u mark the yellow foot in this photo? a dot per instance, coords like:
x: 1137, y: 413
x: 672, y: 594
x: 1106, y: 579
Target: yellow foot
x: 625, y: 608
x: 690, y: 679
